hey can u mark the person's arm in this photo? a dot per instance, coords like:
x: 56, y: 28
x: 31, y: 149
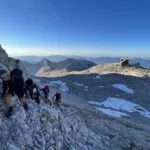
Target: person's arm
x: 54, y: 96
x: 4, y: 88
x: 42, y: 96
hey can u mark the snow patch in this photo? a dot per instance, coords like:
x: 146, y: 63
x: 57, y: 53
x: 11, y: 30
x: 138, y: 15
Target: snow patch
x: 118, y: 104
x: 101, y: 86
x: 97, y: 77
x: 123, y: 87
x: 86, y: 87
x: 62, y: 85
x: 78, y: 84
x: 81, y: 85
x: 112, y: 113
x: 94, y: 103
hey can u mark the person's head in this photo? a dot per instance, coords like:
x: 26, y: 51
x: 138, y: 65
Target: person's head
x: 17, y: 61
x: 57, y: 93
x: 46, y: 87
x: 29, y: 81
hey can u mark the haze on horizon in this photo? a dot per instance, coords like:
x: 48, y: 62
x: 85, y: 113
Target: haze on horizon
x: 75, y: 27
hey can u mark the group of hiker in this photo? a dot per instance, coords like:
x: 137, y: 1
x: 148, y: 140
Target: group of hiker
x: 13, y: 84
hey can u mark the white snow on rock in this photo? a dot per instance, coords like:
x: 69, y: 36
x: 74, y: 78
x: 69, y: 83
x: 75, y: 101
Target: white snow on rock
x: 123, y: 87
x: 94, y: 103
x: 101, y: 86
x: 81, y: 85
x: 118, y: 104
x: 113, y: 113
x: 97, y: 77
x: 62, y: 85
x: 78, y: 84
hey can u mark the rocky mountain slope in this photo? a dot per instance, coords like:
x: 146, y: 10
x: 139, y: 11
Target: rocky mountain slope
x: 116, y: 68
x: 44, y: 127
x: 98, y: 69
x: 99, y: 111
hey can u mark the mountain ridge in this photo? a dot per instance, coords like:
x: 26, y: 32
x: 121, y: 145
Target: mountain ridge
x: 145, y: 62
x: 69, y: 64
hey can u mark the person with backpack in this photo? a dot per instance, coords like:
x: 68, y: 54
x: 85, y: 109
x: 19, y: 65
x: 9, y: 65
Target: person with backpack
x: 44, y: 93
x: 9, y: 91
x: 18, y: 83
x: 31, y: 90
x: 57, y: 97
x: 15, y: 86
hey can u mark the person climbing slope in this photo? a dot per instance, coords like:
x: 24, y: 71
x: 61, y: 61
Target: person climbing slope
x: 13, y: 84
x: 57, y: 97
x: 8, y: 92
x: 31, y: 90
x: 44, y: 93
x: 18, y: 83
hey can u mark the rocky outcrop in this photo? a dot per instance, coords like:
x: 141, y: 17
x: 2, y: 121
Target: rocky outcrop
x: 7, y: 63
x: 124, y: 62
x: 3, y: 56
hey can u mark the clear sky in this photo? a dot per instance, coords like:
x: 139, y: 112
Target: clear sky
x: 75, y: 27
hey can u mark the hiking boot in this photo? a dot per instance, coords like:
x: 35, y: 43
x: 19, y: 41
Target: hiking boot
x: 25, y: 106
x: 10, y: 112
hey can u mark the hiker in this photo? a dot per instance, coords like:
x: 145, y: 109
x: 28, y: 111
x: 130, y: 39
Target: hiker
x: 18, y: 83
x: 44, y: 93
x: 13, y: 85
x: 57, y: 97
x: 31, y: 90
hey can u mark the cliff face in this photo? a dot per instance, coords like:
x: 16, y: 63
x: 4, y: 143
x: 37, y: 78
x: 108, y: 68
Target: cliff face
x: 7, y: 63
x: 3, y: 56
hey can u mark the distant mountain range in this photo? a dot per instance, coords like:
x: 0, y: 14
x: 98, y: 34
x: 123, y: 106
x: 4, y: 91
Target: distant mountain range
x: 69, y: 64
x: 145, y: 62
x: 36, y: 59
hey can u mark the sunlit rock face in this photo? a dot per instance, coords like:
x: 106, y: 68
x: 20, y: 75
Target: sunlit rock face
x: 7, y: 63
x: 3, y: 56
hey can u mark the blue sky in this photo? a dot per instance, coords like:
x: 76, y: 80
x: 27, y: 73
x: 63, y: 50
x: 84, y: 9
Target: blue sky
x: 75, y: 27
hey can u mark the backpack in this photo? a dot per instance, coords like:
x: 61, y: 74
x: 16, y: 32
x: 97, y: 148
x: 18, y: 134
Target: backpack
x: 16, y: 76
x: 16, y: 73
